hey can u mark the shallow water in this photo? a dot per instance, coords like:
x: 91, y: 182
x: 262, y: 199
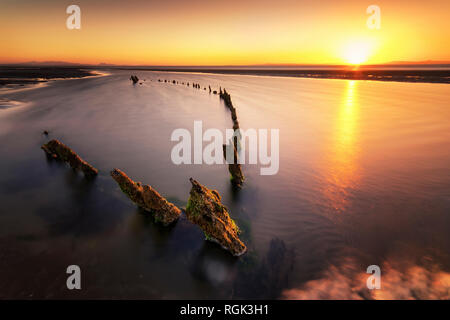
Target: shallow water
x: 364, y: 179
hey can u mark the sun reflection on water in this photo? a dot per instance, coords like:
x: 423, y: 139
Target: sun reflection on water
x: 341, y: 166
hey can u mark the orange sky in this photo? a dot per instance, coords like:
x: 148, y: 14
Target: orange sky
x: 197, y: 32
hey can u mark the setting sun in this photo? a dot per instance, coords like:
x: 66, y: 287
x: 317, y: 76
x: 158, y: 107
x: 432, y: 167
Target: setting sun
x: 357, y: 52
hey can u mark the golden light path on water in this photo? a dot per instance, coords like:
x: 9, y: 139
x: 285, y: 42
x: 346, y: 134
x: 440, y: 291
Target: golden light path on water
x: 342, y: 164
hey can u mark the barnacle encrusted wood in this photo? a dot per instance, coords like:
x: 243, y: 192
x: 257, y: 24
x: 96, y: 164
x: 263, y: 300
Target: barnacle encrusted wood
x: 205, y: 209
x: 147, y: 198
x: 58, y: 150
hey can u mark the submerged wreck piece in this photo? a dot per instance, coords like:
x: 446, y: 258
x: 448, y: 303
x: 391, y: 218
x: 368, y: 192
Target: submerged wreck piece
x: 134, y: 78
x: 205, y: 209
x: 147, y: 198
x: 237, y: 177
x: 58, y: 150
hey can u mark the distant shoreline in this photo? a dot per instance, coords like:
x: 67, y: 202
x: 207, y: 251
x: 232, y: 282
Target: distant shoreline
x: 16, y: 77
x: 403, y: 75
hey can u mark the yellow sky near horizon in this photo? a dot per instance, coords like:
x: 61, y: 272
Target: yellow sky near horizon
x: 242, y: 32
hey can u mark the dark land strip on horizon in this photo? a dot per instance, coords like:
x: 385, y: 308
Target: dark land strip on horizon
x: 21, y: 76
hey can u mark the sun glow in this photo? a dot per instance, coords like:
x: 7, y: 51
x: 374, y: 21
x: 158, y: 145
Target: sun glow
x: 357, y: 53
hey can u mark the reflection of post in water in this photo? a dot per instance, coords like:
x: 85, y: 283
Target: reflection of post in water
x: 265, y: 278
x: 342, y: 163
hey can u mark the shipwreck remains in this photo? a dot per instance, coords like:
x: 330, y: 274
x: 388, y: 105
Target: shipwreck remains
x: 134, y: 78
x: 60, y: 151
x: 147, y: 198
x: 225, y: 96
x: 205, y: 209
x: 237, y: 177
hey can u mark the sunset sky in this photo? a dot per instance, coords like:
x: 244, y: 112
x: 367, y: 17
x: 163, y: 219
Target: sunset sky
x: 197, y: 32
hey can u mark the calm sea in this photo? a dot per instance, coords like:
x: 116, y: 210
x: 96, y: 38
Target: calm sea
x: 364, y: 179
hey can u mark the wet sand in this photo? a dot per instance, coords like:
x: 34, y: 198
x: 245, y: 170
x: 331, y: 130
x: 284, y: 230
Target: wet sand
x: 13, y: 77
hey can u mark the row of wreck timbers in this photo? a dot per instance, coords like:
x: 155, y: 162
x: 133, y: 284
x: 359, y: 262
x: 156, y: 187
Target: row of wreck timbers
x: 204, y: 207
x: 231, y: 150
